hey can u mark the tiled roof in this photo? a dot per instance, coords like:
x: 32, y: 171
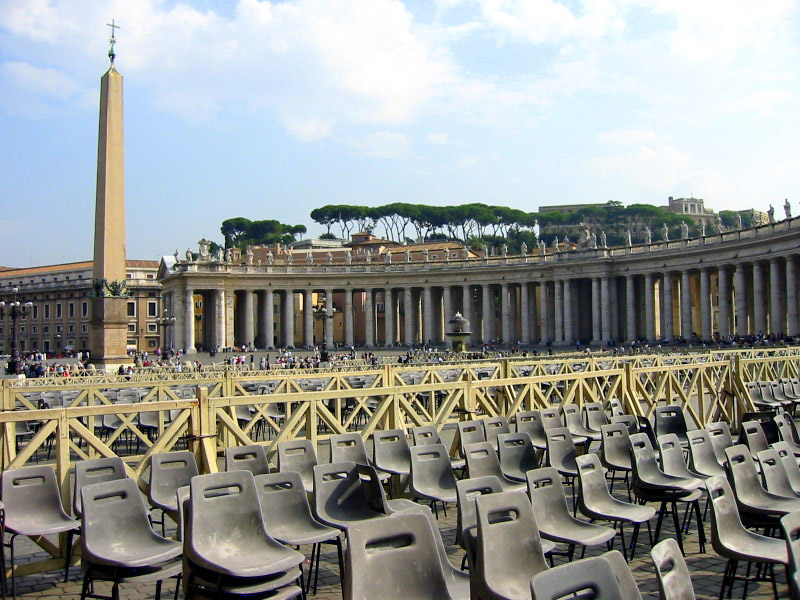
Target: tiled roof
x: 75, y: 266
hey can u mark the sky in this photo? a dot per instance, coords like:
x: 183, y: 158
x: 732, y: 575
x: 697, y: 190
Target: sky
x: 269, y: 109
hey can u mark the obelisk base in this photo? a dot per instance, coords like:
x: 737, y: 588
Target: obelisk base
x: 108, y: 334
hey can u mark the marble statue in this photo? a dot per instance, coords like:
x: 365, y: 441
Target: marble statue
x: 628, y: 241
x: 504, y: 250
x: 189, y: 255
x: 228, y: 254
x: 408, y: 256
x: 787, y: 208
x: 387, y: 257
x: 348, y: 257
x: 684, y: 231
x: 720, y: 226
x: 485, y: 251
x: 555, y: 244
x: 176, y: 255
x: 270, y: 258
x: 648, y: 235
x: 218, y: 254
x: 329, y: 256
x: 426, y: 255
x: 369, y: 257
x: 249, y: 255
x: 309, y: 258
x: 703, y: 228
x: 204, y: 245
x: 289, y: 257
x: 664, y: 233
x: 603, y: 239
x: 542, y: 247
x: 593, y: 241
x: 739, y: 221
x: 523, y: 249
x: 465, y: 253
x: 771, y: 213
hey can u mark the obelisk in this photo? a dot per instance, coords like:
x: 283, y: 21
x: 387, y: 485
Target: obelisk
x: 109, y: 319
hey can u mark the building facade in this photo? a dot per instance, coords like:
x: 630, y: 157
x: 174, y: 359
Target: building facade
x: 59, y: 319
x: 736, y: 283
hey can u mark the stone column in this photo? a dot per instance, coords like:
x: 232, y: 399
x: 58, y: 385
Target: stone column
x: 505, y: 313
x: 705, y: 304
x: 759, y: 301
x: 388, y: 316
x: 329, y: 341
x: 605, y: 310
x: 219, y: 318
x: 248, y: 322
x: 630, y: 308
x: 447, y: 309
x: 308, y: 319
x: 791, y: 296
x: 188, y: 318
x: 268, y: 317
x: 408, y: 321
x: 558, y: 302
x: 525, y: 313
x: 288, y: 317
x: 488, y: 313
x: 649, y: 308
x: 369, y: 319
x: 724, y: 302
x: 613, y: 303
x: 569, y: 336
x: 775, y: 312
x: 666, y: 307
x: 596, y: 306
x: 686, y: 307
x: 466, y: 309
x: 427, y: 315
x: 544, y: 312
x: 349, y: 338
x: 740, y: 289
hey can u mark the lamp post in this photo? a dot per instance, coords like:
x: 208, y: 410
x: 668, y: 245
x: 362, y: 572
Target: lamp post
x: 15, y: 310
x: 165, y: 320
x: 321, y: 313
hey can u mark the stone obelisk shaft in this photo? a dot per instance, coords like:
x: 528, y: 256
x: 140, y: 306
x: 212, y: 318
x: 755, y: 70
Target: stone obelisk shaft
x: 109, y: 312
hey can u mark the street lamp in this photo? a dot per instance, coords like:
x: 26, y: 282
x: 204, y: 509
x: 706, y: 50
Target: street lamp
x: 15, y: 310
x: 323, y: 314
x: 165, y: 320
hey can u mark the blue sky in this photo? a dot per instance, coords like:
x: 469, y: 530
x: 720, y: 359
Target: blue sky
x: 271, y: 109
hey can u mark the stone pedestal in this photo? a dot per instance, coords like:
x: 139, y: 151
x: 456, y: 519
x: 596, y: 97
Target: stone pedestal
x: 109, y: 332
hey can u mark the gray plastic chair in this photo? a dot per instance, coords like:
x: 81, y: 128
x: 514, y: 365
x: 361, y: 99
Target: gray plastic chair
x: 551, y: 418
x: 432, y: 475
x: 530, y: 422
x: 787, y: 431
x: 494, y: 426
x: 672, y: 461
x: 790, y: 525
x: 394, y: 559
x: 670, y: 419
x: 482, y: 461
x: 754, y: 437
x: 773, y: 474
x: 616, y: 408
x: 467, y: 491
x: 756, y: 505
x: 595, y: 502
x: 622, y: 571
x: 615, y: 452
x: 573, y: 419
x: 561, y: 454
x: 470, y: 432
x: 340, y: 499
x: 595, y: 416
x: 168, y: 472
x: 288, y: 518
x: 789, y: 464
x: 298, y: 456
x: 33, y: 507
x: 350, y: 447
x: 702, y: 458
x: 226, y: 533
x: 517, y: 455
x: 590, y: 578
x: 674, y: 579
x: 251, y: 458
x: 631, y: 422
x: 428, y: 434
x: 98, y: 470
x: 721, y: 438
x: 390, y: 452
x: 733, y: 541
x: 119, y: 544
x: 508, y: 547
x: 553, y: 516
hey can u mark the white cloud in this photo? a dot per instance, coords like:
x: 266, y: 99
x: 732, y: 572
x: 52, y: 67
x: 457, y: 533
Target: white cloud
x: 437, y: 139
x: 47, y: 82
x: 384, y: 144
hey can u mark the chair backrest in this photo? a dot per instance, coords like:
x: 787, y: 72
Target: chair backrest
x: 494, y: 426
x: 773, y: 473
x: 702, y: 458
x: 340, y: 498
x: 114, y: 517
x: 425, y: 434
x: 742, y: 472
x: 646, y: 427
x: 348, y: 447
x: 390, y: 451
x: 97, y: 470
x: 670, y: 419
x: 592, y: 481
x: 516, y: 452
x: 573, y: 418
x: 616, y: 408
x: 674, y: 580
x: 672, y: 461
x: 467, y: 491
x: 768, y: 425
x: 551, y: 418
x: 786, y: 428
x: 721, y: 438
x: 482, y: 460
x: 393, y: 558
x: 561, y: 450
x: 431, y: 469
x: 547, y: 496
x: 614, y: 446
x: 790, y: 524
x: 631, y: 422
x: 251, y: 458
x: 789, y: 463
x: 590, y: 578
x: 298, y: 456
x: 30, y: 493
x: 622, y: 571
x: 470, y: 432
x: 754, y: 437
x: 282, y: 498
x: 168, y: 472
x: 725, y: 520
x: 595, y: 415
x: 509, y: 547
x: 530, y: 422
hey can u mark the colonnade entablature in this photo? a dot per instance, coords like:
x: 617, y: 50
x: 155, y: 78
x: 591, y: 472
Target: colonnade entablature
x: 715, y: 288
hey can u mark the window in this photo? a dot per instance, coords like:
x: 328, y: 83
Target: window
x: 46, y: 329
x: 132, y: 327
x: 35, y: 311
x: 71, y: 310
x: 58, y: 328
x: 59, y: 314
x: 152, y: 308
x: 128, y: 275
x: 152, y: 327
x: 71, y: 329
x: 46, y: 311
x: 22, y: 329
x: 379, y: 307
x: 151, y: 276
x: 151, y: 343
x: 34, y: 329
x: 84, y: 328
x: 131, y: 309
x: 131, y: 342
x: 84, y: 309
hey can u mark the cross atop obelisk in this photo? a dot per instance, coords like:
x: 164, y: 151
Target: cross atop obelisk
x: 109, y: 321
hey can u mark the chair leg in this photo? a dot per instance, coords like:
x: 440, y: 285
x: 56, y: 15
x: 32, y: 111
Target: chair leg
x: 676, y: 521
x: 70, y: 534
